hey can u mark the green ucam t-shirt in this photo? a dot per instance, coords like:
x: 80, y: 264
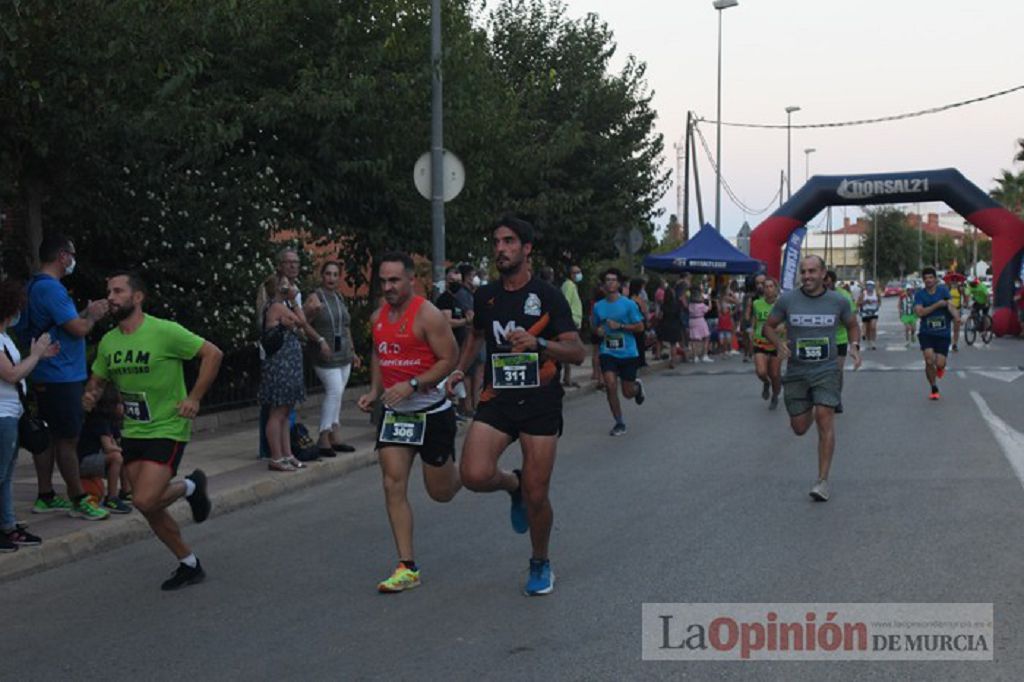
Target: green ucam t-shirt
x: 146, y: 367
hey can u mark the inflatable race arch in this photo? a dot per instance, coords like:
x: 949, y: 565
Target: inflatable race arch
x: 948, y: 185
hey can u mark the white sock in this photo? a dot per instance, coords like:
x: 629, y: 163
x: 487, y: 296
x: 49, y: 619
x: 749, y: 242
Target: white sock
x: 191, y: 561
x: 190, y: 487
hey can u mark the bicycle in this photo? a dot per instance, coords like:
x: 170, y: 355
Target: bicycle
x: 978, y: 324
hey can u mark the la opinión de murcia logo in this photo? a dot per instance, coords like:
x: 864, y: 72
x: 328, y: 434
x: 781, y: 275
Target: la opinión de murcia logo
x: 863, y: 189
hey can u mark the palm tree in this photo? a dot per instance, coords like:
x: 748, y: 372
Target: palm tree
x: 1020, y: 154
x: 1010, y: 191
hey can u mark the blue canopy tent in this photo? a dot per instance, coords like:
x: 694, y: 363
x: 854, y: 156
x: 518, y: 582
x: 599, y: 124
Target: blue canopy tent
x: 708, y: 252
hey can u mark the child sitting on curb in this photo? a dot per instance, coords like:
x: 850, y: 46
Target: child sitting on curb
x: 99, y: 449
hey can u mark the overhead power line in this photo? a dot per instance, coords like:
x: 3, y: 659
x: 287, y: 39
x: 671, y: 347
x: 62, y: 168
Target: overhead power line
x: 725, y: 185
x: 866, y: 121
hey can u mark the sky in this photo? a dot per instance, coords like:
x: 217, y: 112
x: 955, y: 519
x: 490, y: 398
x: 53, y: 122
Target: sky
x: 838, y: 60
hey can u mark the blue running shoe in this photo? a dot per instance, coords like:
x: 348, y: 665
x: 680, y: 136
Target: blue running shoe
x: 517, y: 513
x: 542, y: 578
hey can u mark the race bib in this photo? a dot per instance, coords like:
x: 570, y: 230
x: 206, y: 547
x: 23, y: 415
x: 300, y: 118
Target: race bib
x: 136, y: 407
x: 515, y: 370
x: 936, y: 323
x: 813, y: 350
x: 403, y: 429
x: 615, y: 341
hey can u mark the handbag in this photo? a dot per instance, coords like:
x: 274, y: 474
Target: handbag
x: 272, y: 339
x: 33, y: 431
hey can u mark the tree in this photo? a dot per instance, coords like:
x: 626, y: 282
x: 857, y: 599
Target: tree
x: 1009, y: 191
x: 897, y: 244
x: 586, y: 160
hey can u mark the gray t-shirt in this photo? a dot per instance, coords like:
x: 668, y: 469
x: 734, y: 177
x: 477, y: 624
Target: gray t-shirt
x: 333, y: 323
x: 811, y: 325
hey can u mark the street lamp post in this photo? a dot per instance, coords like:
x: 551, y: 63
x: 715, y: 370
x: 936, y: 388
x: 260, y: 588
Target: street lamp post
x: 807, y: 163
x: 719, y: 5
x: 789, y: 146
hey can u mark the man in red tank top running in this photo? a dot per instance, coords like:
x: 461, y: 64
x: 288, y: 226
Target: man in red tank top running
x: 413, y: 351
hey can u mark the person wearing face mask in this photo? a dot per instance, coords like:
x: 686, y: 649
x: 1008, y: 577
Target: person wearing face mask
x: 570, y: 289
x: 451, y: 302
x: 58, y: 381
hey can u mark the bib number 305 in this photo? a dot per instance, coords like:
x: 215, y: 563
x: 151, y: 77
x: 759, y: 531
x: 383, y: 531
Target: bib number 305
x: 813, y: 350
x: 515, y: 370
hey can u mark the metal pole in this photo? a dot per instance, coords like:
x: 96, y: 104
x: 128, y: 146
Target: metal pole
x: 718, y: 135
x: 789, y: 160
x: 696, y: 183
x: 874, y: 238
x: 920, y: 241
x: 686, y: 179
x: 782, y: 183
x: 436, y: 147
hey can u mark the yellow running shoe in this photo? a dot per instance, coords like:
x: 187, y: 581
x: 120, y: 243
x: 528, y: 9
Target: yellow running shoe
x: 402, y: 579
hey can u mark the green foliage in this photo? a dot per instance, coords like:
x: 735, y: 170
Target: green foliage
x: 180, y: 138
x: 897, y: 244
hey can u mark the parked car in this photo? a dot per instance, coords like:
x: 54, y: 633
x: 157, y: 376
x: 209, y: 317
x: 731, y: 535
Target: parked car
x: 893, y: 288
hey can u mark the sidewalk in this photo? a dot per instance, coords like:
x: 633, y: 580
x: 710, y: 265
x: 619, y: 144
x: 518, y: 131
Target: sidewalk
x: 225, y: 446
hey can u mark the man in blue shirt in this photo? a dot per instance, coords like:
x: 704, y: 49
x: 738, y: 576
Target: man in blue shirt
x: 615, y: 320
x: 932, y: 305
x: 58, y: 382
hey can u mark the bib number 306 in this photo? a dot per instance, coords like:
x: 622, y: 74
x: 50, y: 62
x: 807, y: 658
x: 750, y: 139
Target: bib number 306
x: 515, y: 370
x: 403, y: 429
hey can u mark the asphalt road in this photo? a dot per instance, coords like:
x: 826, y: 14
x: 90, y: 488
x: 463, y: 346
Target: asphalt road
x: 705, y: 500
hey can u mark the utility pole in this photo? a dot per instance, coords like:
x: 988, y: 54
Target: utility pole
x: 696, y: 184
x: 436, y: 147
x: 686, y: 177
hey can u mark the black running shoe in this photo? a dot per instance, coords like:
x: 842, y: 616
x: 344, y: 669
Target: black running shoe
x: 640, y: 396
x: 184, y: 576
x: 199, y: 500
x: 343, y: 447
x: 765, y: 390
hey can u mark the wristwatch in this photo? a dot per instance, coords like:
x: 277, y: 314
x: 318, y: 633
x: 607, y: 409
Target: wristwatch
x: 414, y: 382
x: 542, y: 344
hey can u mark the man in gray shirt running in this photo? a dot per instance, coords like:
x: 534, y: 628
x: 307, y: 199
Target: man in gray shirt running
x: 811, y: 386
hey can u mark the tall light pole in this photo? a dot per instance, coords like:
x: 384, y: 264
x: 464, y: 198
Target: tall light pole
x: 807, y: 163
x: 436, y: 147
x: 719, y: 5
x: 789, y: 156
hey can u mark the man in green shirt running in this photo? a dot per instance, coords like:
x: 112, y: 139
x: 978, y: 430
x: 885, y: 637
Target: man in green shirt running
x: 143, y: 357
x: 842, y: 336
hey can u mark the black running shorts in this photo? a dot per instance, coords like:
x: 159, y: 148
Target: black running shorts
x: 530, y: 416
x: 438, y: 438
x: 159, y: 450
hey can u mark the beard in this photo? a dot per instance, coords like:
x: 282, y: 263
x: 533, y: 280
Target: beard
x: 119, y: 313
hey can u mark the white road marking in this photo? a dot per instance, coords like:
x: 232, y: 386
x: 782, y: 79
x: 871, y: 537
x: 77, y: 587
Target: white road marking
x: 1011, y: 440
x: 962, y: 374
x: 1001, y: 375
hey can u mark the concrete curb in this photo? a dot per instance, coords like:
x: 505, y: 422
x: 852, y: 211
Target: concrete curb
x: 117, y: 531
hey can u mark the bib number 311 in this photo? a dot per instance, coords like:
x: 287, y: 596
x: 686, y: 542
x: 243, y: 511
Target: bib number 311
x: 515, y: 370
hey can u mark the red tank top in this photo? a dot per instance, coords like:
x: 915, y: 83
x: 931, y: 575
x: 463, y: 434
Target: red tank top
x: 400, y: 354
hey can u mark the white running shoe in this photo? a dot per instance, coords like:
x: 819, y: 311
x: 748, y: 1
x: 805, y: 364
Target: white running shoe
x: 820, y: 491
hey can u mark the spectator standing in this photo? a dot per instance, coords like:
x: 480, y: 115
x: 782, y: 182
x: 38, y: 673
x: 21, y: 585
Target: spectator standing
x: 13, y: 370
x: 281, y: 385
x: 670, y: 326
x: 570, y: 289
x: 326, y: 311
x: 58, y: 381
x: 288, y: 266
x: 700, y: 335
x: 638, y: 294
x: 452, y: 306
